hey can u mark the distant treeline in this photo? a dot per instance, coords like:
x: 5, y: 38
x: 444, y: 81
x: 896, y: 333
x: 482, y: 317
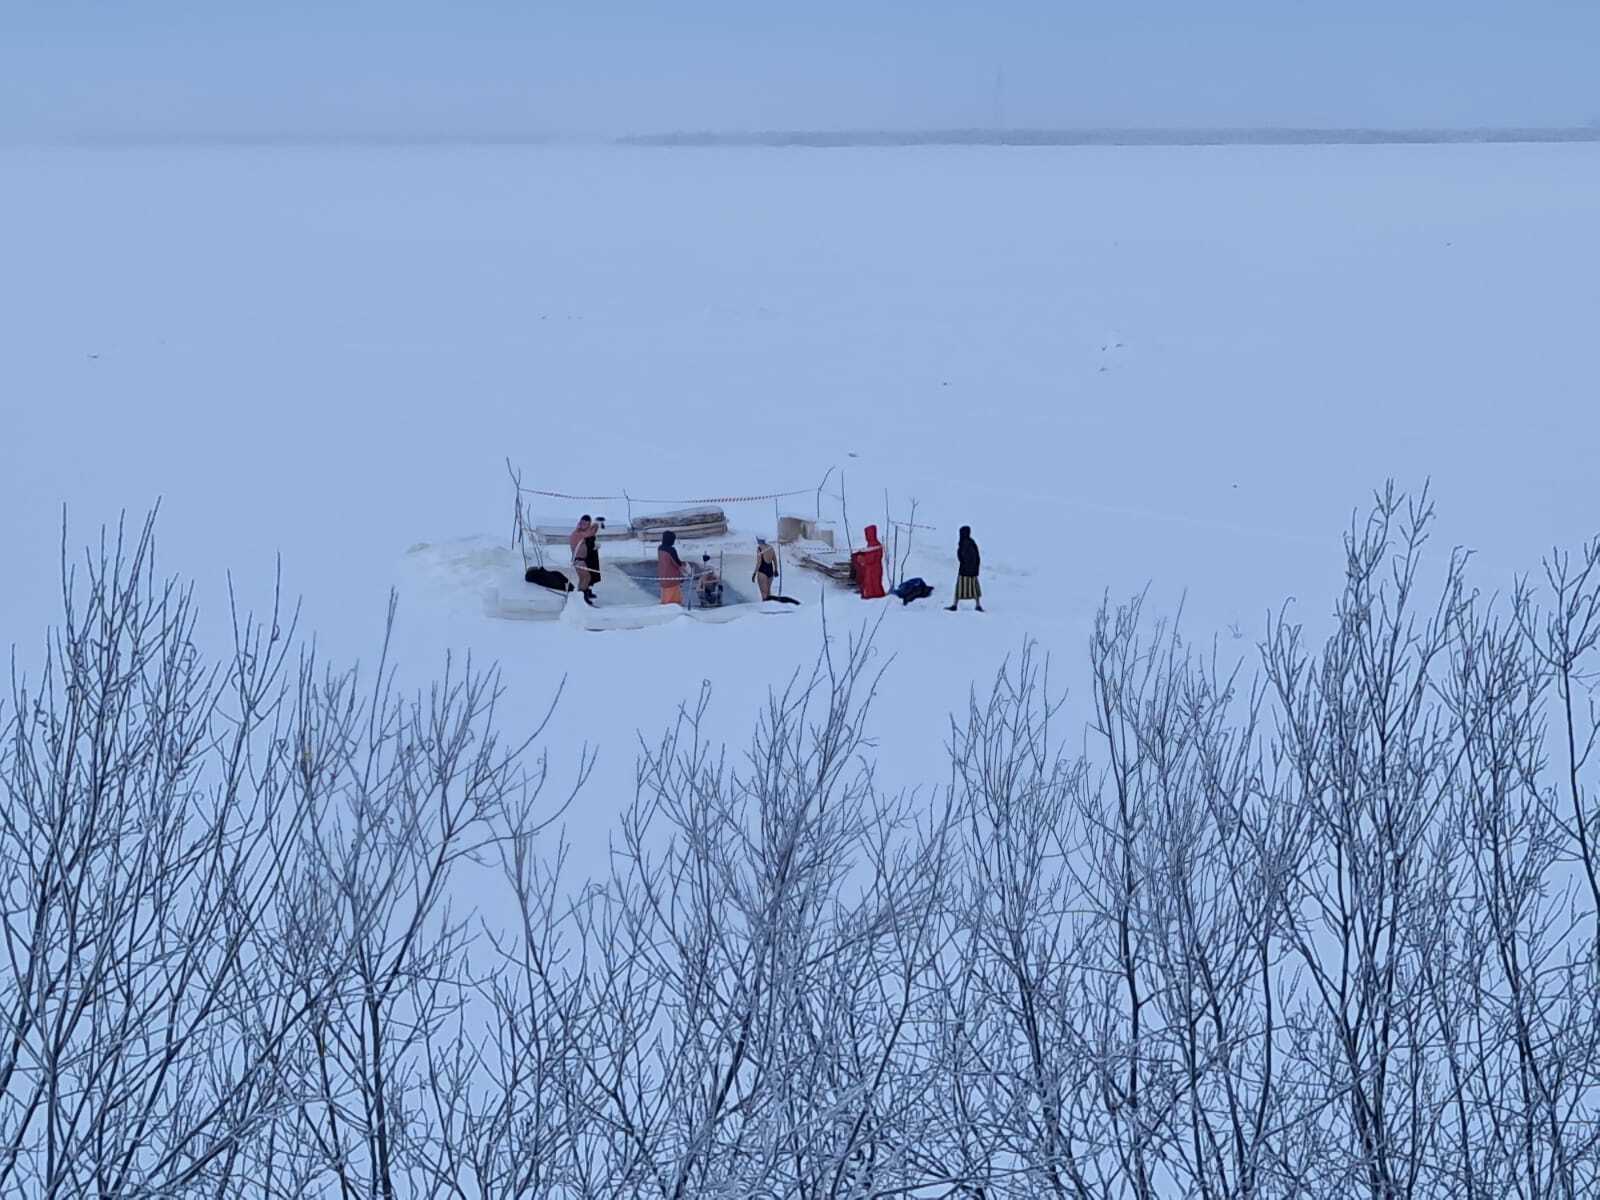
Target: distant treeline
x: 859, y: 137
x: 1115, y: 137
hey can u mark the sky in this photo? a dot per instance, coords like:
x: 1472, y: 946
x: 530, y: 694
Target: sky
x: 521, y: 68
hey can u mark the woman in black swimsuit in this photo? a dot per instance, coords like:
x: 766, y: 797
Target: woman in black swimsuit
x: 766, y: 568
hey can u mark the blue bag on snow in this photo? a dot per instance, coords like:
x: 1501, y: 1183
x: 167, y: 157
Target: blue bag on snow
x: 915, y: 588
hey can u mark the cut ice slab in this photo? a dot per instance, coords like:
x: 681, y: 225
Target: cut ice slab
x: 530, y: 603
x: 579, y: 615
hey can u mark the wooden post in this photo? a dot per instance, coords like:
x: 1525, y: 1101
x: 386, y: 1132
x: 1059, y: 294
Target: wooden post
x: 889, y: 532
x: 820, y: 486
x: 844, y: 512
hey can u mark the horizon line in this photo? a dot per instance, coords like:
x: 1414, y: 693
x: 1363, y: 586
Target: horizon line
x: 1066, y: 136
x: 1133, y: 135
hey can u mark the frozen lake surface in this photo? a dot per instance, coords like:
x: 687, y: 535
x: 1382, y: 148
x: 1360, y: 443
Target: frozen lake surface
x: 1181, y: 367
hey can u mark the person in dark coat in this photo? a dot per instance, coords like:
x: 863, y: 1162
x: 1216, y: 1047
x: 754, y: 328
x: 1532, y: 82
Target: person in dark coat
x: 585, y: 555
x: 591, y: 553
x: 967, y: 563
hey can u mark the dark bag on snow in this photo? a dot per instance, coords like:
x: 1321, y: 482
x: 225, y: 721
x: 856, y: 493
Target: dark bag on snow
x: 550, y: 579
x: 915, y: 588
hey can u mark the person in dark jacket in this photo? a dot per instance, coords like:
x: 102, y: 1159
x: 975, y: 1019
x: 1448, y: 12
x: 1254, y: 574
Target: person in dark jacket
x: 586, y: 555
x: 967, y: 562
x: 591, y: 554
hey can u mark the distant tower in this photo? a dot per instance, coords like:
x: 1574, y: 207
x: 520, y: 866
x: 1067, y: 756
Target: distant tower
x: 997, y: 100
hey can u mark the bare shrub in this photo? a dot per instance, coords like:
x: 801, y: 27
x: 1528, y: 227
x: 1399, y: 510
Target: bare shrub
x: 1323, y: 930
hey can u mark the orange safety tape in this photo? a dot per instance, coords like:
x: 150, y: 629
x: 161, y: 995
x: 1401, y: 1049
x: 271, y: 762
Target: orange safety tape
x: 703, y: 500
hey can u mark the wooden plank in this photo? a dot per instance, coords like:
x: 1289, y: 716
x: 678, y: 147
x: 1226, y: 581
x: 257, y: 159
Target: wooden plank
x: 553, y: 534
x: 708, y: 529
x: 679, y: 519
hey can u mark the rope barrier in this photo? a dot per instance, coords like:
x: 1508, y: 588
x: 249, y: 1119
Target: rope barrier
x: 703, y: 500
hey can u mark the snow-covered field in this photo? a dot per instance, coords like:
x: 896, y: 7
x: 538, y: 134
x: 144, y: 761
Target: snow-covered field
x: 1181, y: 367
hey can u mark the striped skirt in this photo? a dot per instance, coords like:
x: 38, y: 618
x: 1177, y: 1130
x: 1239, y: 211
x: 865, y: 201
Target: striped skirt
x: 967, y: 588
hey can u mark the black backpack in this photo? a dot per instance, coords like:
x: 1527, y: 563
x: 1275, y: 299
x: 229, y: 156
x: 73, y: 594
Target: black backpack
x: 554, y: 580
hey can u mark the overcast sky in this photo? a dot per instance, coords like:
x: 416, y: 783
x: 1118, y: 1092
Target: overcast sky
x: 166, y: 68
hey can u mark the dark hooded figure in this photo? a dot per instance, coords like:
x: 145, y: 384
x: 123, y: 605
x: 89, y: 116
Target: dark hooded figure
x: 967, y: 562
x: 591, y: 554
x: 585, y: 558
x: 669, y: 569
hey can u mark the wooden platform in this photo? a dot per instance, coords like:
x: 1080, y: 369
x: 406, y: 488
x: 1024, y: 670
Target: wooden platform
x: 820, y: 557
x: 686, y: 523
x: 552, y: 535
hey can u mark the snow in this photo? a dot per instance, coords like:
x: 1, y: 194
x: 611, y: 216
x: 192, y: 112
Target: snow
x: 1181, y: 367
